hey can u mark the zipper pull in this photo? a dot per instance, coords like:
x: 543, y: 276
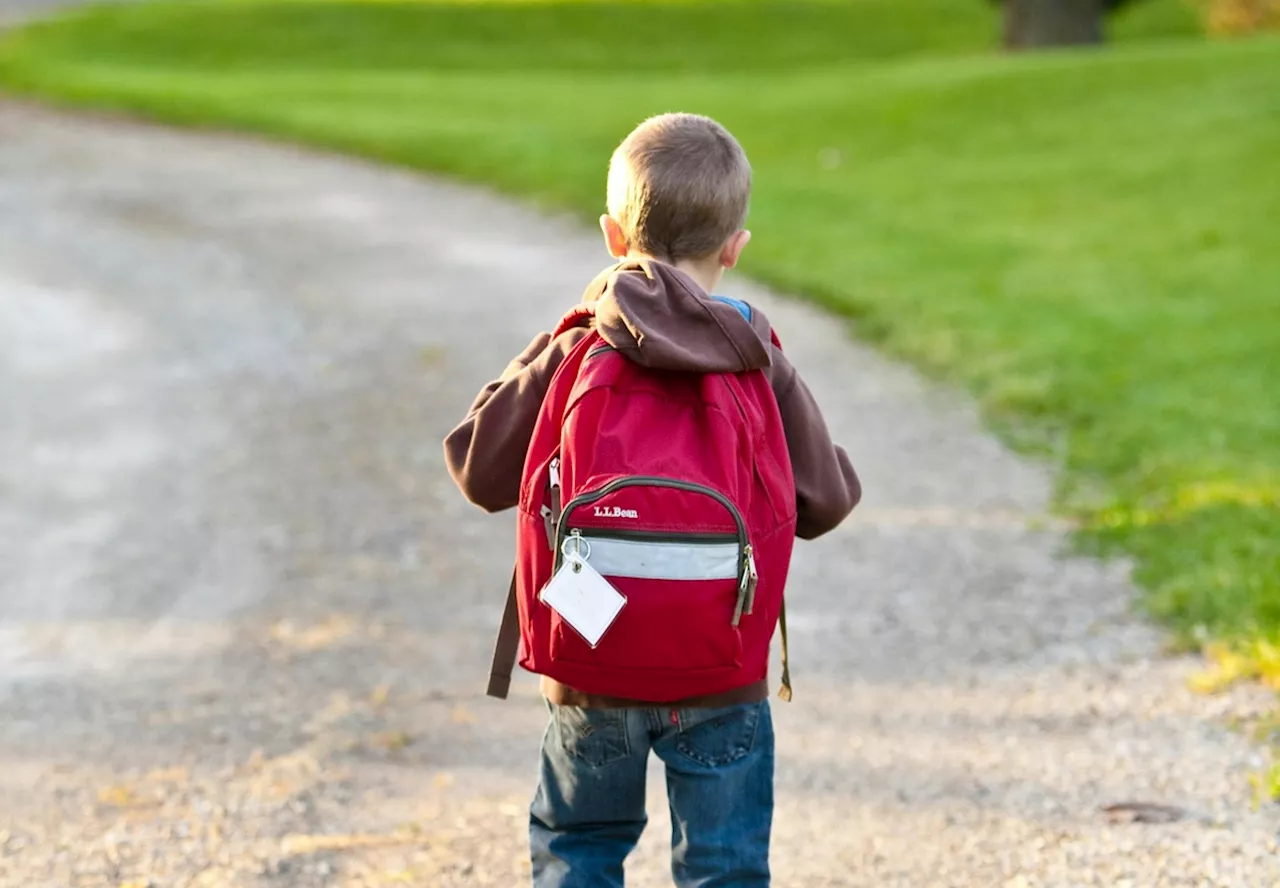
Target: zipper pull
x: 744, y: 582
x: 581, y: 551
x: 550, y: 526
x: 746, y: 586
x: 553, y: 472
x: 753, y: 580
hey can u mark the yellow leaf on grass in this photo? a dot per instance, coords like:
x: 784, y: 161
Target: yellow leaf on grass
x: 1257, y: 660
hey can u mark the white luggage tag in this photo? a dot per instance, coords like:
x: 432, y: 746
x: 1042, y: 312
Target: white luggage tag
x: 580, y: 595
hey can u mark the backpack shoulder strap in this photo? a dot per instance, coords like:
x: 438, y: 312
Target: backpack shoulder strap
x: 581, y: 315
x: 785, y: 691
x: 506, y: 647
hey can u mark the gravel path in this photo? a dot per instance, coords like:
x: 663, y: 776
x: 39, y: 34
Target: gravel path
x: 245, y: 619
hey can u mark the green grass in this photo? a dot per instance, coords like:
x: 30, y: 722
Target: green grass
x: 1087, y: 240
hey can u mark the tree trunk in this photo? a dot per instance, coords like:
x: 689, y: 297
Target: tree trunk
x: 1029, y: 24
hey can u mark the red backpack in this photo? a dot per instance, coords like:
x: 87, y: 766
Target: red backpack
x: 677, y: 488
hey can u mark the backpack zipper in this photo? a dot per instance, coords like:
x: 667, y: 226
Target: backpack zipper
x: 656, y: 536
x: 747, y: 576
x: 586, y: 499
x: 551, y: 513
x: 750, y: 578
x: 549, y: 525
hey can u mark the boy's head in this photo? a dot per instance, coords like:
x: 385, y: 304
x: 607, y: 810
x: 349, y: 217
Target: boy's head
x: 678, y: 192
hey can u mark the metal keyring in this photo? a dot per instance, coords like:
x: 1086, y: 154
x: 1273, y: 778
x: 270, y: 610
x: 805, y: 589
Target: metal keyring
x: 580, y: 552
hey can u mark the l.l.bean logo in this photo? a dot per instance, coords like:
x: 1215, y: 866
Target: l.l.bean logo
x: 615, y: 512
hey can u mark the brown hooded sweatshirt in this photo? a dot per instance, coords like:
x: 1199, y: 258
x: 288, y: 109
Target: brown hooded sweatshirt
x: 658, y: 317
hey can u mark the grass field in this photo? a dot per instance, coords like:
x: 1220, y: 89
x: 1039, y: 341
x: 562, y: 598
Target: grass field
x: 1087, y: 240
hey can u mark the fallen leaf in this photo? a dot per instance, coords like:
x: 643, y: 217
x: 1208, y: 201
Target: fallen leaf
x: 392, y: 741
x: 119, y: 796
x: 1142, y: 812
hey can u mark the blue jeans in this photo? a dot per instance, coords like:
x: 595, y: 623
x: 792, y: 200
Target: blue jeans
x: 588, y: 812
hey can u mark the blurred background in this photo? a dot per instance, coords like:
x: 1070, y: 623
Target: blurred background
x: 1068, y: 208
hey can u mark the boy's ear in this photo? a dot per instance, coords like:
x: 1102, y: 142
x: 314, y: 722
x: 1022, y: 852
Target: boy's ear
x: 614, y: 239
x: 733, y: 248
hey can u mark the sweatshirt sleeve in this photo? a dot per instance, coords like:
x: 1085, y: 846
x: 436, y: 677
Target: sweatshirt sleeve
x: 827, y: 488
x: 485, y: 454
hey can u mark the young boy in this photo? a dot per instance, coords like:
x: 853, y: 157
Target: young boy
x: 678, y: 190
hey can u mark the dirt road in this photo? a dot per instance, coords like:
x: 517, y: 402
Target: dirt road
x: 245, y: 618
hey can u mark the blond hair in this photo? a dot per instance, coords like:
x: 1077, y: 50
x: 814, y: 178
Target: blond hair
x: 679, y: 187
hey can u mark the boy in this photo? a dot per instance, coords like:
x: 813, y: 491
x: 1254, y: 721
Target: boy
x: 678, y: 189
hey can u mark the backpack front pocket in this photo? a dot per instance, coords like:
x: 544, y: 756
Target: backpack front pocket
x: 682, y: 592
x: 678, y: 552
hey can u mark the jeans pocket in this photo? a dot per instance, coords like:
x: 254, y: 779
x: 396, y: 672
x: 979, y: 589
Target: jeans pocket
x: 595, y: 737
x: 717, y: 737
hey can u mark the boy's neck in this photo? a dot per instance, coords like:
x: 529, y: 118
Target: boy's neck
x: 706, y: 274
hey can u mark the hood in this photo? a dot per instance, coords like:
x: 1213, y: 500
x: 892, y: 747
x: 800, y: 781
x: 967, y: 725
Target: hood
x: 659, y: 317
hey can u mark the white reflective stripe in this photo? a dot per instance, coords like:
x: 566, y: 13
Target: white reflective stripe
x: 645, y: 560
